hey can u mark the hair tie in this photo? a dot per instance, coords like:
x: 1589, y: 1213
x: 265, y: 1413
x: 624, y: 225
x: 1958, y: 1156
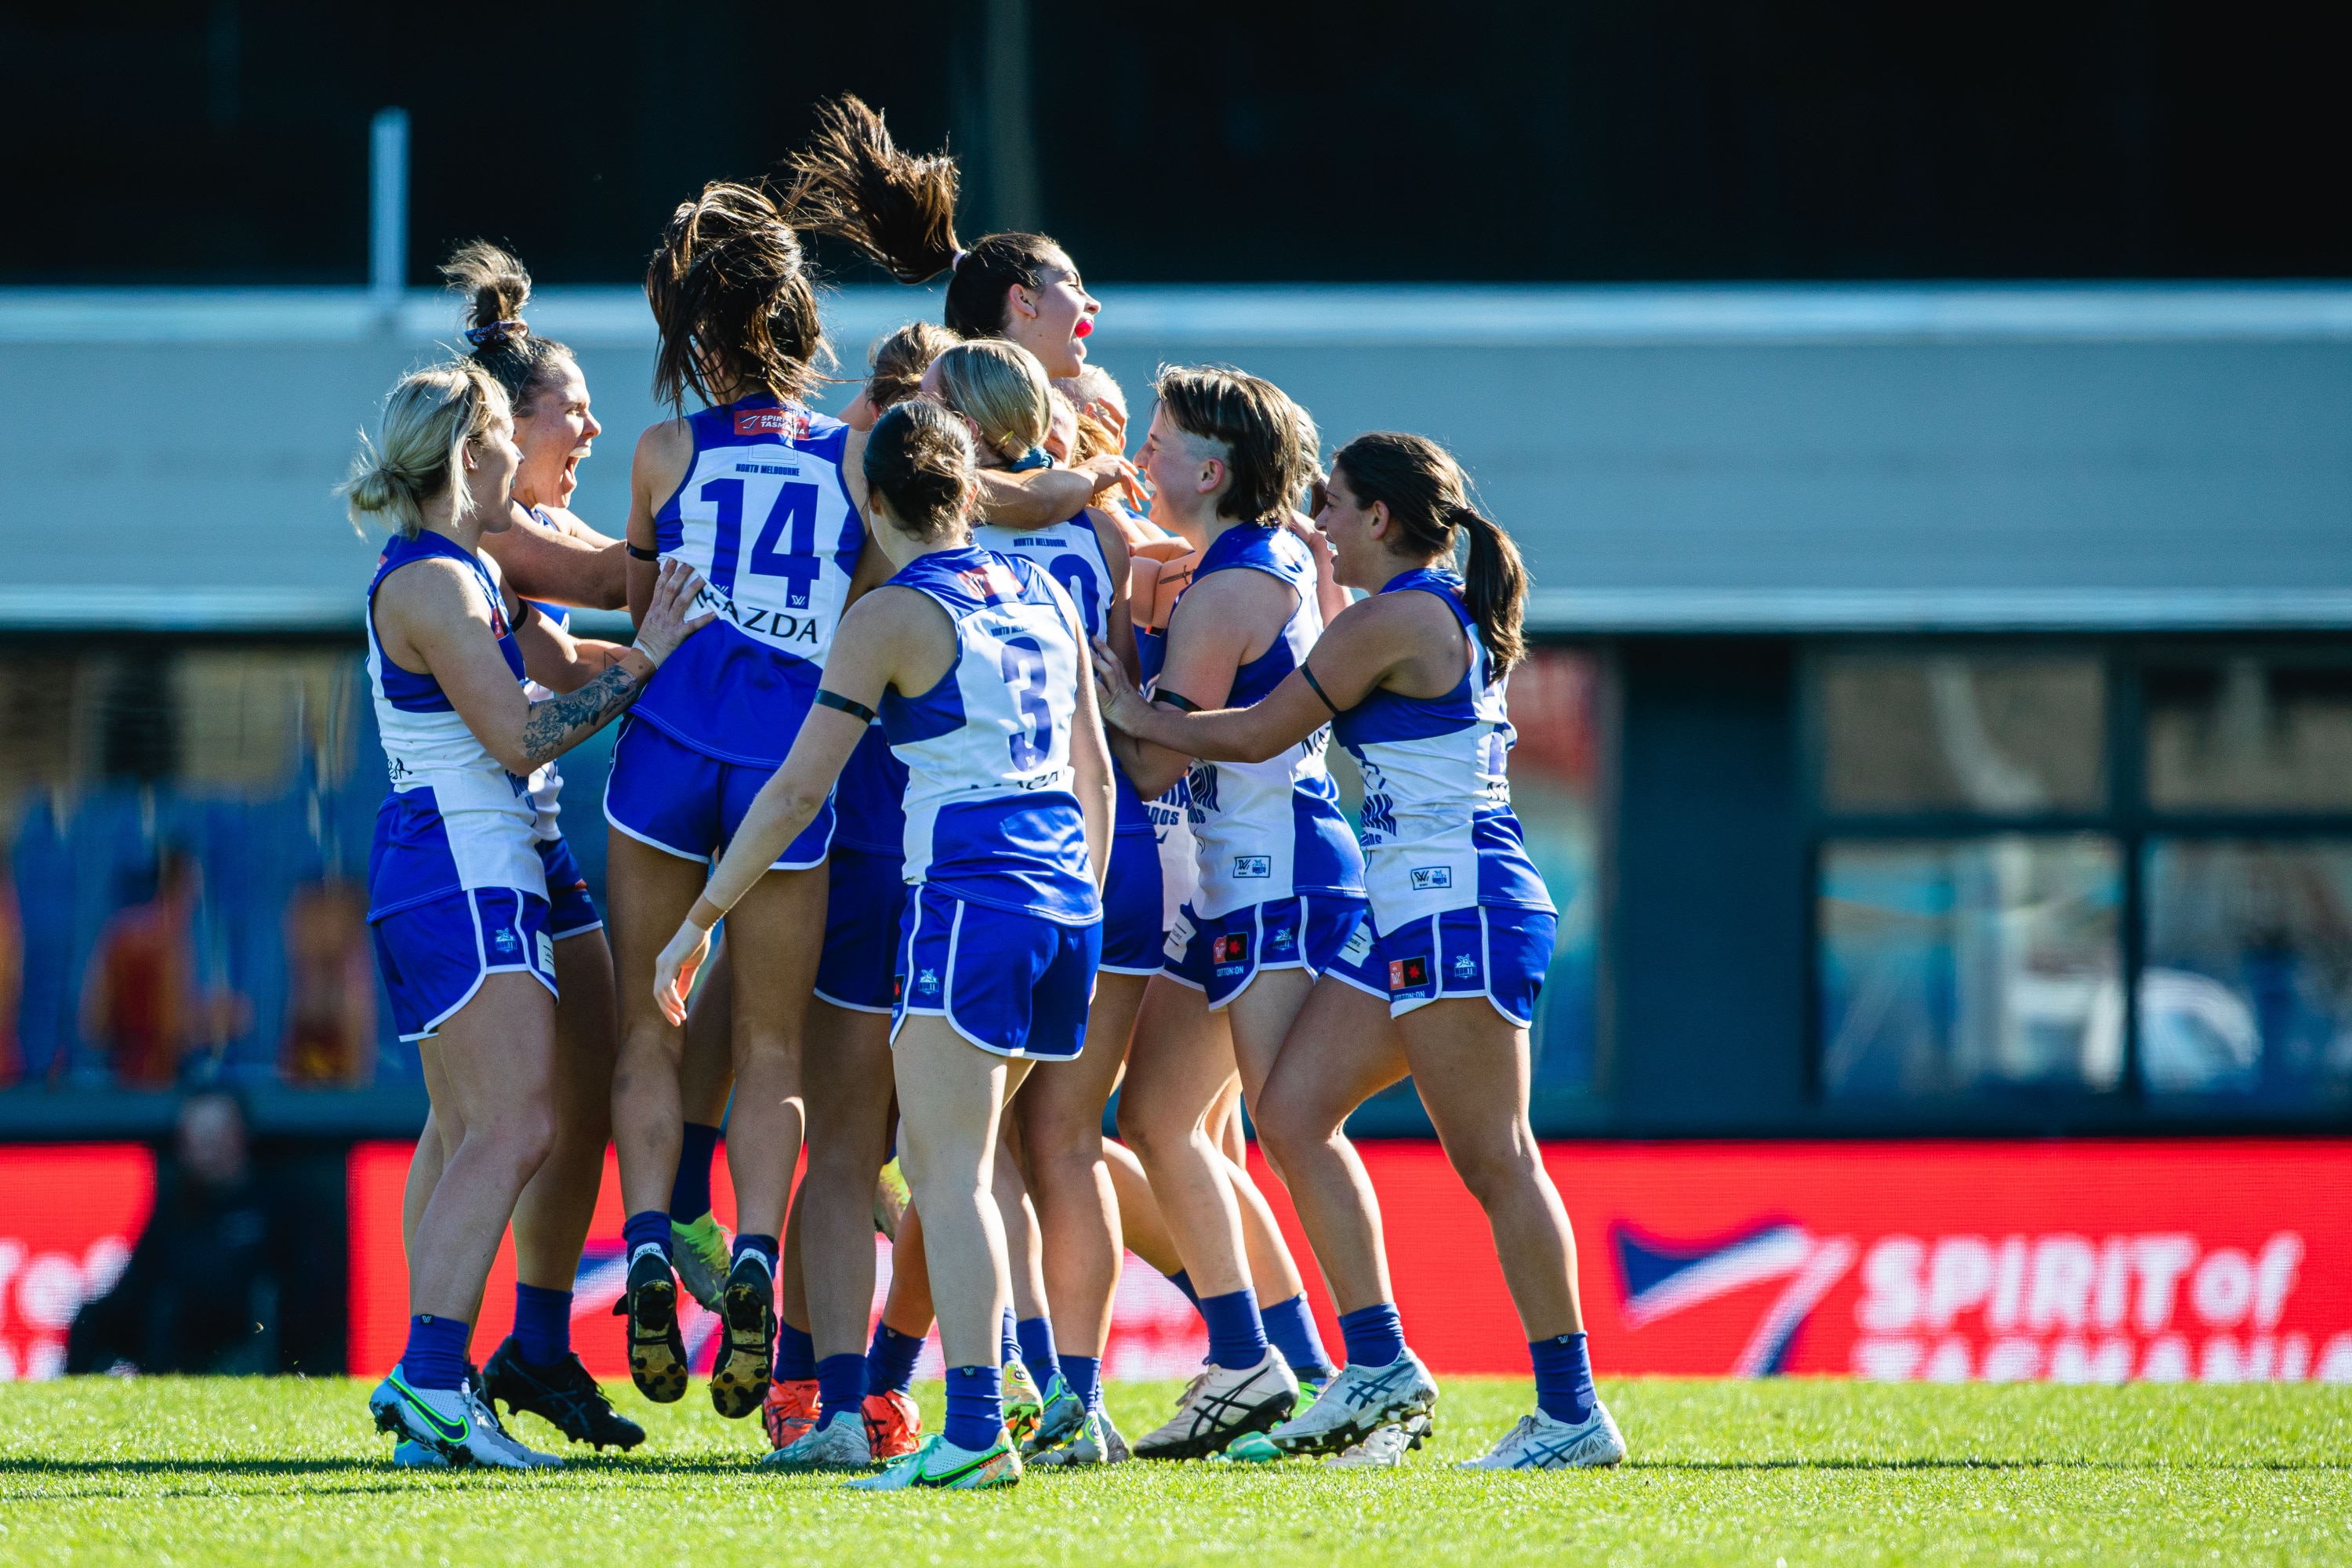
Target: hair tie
x: 492, y: 334
x: 957, y: 259
x: 1034, y: 457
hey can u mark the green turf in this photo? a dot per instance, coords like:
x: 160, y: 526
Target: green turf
x: 169, y: 1471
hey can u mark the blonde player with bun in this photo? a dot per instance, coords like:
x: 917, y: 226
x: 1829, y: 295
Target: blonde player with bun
x: 456, y: 888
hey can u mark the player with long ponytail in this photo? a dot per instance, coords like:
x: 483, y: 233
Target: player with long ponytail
x: 1440, y: 980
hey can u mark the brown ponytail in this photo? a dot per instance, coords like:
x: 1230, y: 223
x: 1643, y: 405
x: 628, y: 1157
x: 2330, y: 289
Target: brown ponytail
x: 854, y: 183
x: 733, y: 304
x: 497, y: 287
x: 920, y: 460
x: 1428, y: 499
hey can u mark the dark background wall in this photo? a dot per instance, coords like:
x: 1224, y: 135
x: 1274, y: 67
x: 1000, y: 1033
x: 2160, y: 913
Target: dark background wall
x: 225, y: 140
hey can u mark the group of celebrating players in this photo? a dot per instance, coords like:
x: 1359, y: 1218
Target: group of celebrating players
x: 1002, y: 759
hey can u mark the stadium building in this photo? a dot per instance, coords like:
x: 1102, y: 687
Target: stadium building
x: 1941, y: 730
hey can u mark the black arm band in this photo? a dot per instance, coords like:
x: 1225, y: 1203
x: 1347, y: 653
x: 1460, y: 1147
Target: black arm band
x: 1317, y: 687
x: 1176, y: 700
x: 858, y: 710
x: 638, y: 554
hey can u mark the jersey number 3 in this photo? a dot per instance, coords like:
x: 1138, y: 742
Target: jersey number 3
x: 1022, y: 664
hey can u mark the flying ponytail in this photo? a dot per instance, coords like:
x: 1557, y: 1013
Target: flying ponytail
x: 1428, y: 499
x: 853, y: 182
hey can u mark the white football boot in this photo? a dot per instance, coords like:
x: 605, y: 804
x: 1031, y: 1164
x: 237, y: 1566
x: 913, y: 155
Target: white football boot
x: 1222, y: 1404
x: 488, y: 1425
x: 839, y: 1444
x: 442, y: 1420
x: 940, y: 1464
x: 1358, y: 1403
x: 1540, y: 1442
x: 1385, y: 1450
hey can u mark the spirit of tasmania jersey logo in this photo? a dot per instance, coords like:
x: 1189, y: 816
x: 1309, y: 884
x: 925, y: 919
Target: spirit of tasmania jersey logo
x: 791, y: 424
x: 1659, y: 1279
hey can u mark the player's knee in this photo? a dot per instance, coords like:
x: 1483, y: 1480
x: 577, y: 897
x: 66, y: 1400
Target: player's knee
x: 1496, y: 1171
x: 1283, y: 1134
x: 519, y: 1143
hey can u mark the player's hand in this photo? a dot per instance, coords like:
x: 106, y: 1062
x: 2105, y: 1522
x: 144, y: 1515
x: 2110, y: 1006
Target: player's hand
x: 1315, y: 539
x: 1123, y: 707
x: 1111, y: 471
x: 675, y: 970
x: 667, y: 621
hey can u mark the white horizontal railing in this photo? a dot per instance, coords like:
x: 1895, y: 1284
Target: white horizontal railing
x: 1302, y: 315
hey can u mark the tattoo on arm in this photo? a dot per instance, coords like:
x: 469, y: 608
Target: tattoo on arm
x: 552, y: 723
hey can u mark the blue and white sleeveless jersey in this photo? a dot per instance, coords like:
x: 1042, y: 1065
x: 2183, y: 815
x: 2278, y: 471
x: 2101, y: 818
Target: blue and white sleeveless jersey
x: 1071, y: 553
x: 1439, y: 833
x: 764, y: 514
x: 545, y: 783
x: 1273, y: 829
x: 455, y: 819
x: 992, y: 816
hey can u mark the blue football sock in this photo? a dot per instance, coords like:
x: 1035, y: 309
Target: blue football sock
x: 1236, y: 1333
x: 761, y: 1247
x: 1291, y: 1329
x: 841, y: 1386
x: 542, y: 1324
x: 650, y: 1228
x: 1182, y: 1280
x: 1563, y: 1378
x: 795, y: 1354
x: 975, y: 1407
x: 1009, y: 1346
x: 1084, y: 1375
x: 1036, y: 1337
x: 689, y: 1190
x: 890, y: 1360
x: 435, y: 1353
x: 1374, y: 1335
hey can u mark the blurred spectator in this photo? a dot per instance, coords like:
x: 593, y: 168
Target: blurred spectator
x: 329, y: 987
x: 142, y: 1003
x: 12, y: 972
x: 200, y: 1293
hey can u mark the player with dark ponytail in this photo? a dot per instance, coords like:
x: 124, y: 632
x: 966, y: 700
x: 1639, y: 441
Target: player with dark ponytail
x: 854, y: 183
x: 1440, y: 980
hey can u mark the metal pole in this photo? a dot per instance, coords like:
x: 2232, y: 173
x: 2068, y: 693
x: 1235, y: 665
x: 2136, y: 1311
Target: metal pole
x: 388, y: 207
x: 1012, y: 139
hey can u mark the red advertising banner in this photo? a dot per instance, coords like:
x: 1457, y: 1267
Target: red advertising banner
x: 69, y: 1214
x: 2156, y: 1261
x: 2205, y: 1259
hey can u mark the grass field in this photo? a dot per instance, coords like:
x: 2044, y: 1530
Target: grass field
x: 168, y: 1471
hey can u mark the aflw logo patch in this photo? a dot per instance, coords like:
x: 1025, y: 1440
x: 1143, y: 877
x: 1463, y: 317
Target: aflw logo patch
x: 788, y: 423
x: 1405, y: 973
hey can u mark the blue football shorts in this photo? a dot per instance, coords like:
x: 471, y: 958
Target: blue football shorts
x: 435, y: 955
x: 1221, y: 955
x: 690, y: 804
x: 866, y: 901
x: 1015, y: 985
x: 570, y: 910
x: 1499, y: 951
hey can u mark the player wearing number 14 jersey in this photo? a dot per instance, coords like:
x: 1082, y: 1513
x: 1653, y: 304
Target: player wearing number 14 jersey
x: 756, y: 493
